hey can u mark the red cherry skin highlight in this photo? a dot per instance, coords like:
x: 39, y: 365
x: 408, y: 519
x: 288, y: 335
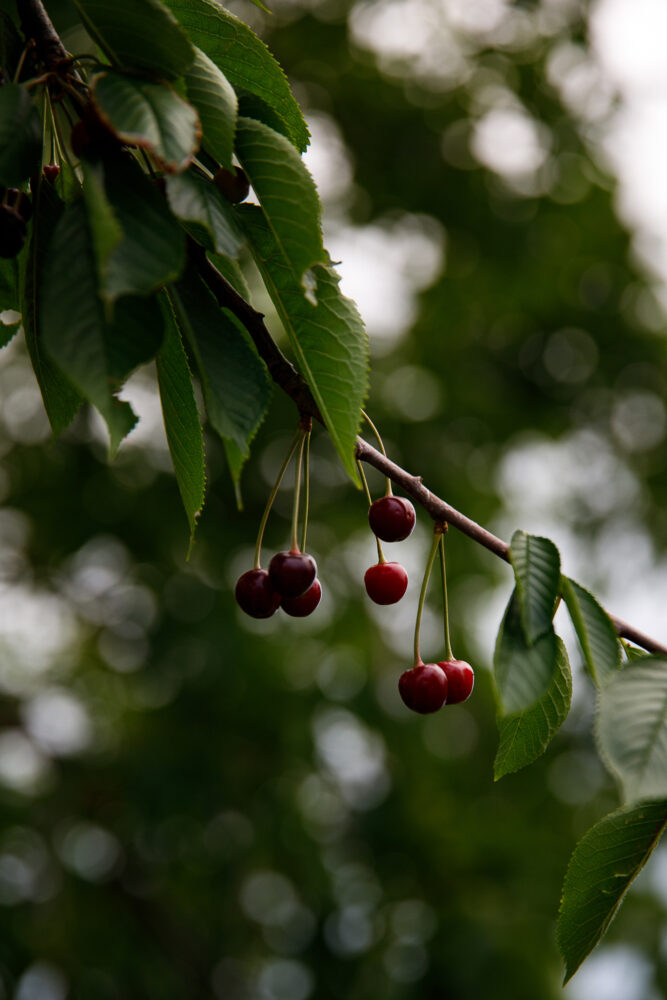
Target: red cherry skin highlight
x: 386, y: 582
x: 256, y: 595
x: 301, y: 607
x: 423, y: 688
x: 460, y: 680
x: 391, y: 518
x: 292, y: 572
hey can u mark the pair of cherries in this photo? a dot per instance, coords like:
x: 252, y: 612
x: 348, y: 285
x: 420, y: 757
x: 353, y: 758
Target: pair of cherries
x: 392, y: 520
x: 290, y: 582
x: 426, y: 687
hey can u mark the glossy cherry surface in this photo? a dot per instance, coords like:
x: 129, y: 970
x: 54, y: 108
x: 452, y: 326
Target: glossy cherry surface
x: 301, y: 607
x: 423, y: 688
x: 256, y: 595
x: 386, y: 582
x: 391, y: 518
x: 292, y: 572
x: 460, y: 680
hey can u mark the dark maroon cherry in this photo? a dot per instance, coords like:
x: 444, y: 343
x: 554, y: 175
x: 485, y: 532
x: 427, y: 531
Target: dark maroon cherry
x: 256, y: 595
x: 301, y: 607
x: 51, y: 171
x: 391, y: 518
x: 292, y: 572
x: 12, y: 231
x: 20, y: 202
x: 423, y: 688
x: 386, y: 582
x: 460, y: 680
x: 234, y: 186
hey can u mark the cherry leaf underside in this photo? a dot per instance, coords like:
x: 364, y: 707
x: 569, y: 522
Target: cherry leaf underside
x: 632, y: 728
x: 206, y: 215
x: 243, y: 58
x: 601, y: 870
x: 597, y: 636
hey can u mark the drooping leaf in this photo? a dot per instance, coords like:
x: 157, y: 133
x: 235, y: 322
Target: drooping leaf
x: 10, y: 45
x: 237, y: 386
x: 61, y: 400
x: 287, y: 194
x: 151, y: 252
x: 105, y: 228
x: 72, y: 319
x: 232, y: 271
x: 243, y: 58
x: 328, y: 338
x: 20, y: 135
x: 523, y: 674
x: 211, y: 93
x: 206, y: 215
x: 601, y: 870
x: 181, y: 419
x: 252, y: 106
x: 536, y: 565
x: 149, y: 115
x: 632, y: 728
x: 599, y: 640
x: 138, y: 34
x: 133, y: 336
x: 525, y: 733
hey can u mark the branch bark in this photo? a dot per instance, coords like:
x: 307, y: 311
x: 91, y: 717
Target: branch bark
x: 37, y: 25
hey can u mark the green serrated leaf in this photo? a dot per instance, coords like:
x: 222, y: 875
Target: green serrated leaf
x: 601, y: 870
x: 523, y: 673
x: 536, y: 565
x: 205, y: 214
x: 252, y: 106
x: 61, y: 400
x: 287, y: 195
x: 181, y: 419
x: 106, y: 230
x: 133, y: 337
x: 632, y: 728
x: 20, y: 135
x: 598, y: 637
x: 72, y: 319
x: 211, y: 93
x: 527, y: 729
x: 328, y: 338
x: 237, y: 386
x: 138, y: 34
x: 243, y: 58
x: 149, y: 115
x: 231, y: 270
x: 10, y: 46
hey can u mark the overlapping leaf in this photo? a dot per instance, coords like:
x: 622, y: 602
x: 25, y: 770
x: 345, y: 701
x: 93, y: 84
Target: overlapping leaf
x: 206, y: 215
x: 601, y: 870
x: 598, y: 637
x: 11, y: 45
x: 243, y: 58
x: 328, y: 338
x: 632, y: 728
x: 536, y: 565
x: 20, y: 135
x: 210, y: 92
x: 141, y: 34
x: 181, y: 419
x: 150, y: 115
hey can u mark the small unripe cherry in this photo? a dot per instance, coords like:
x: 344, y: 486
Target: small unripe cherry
x: 292, y: 572
x: 460, y: 680
x: 391, y: 518
x: 423, y: 688
x: 256, y: 595
x: 386, y: 582
x: 301, y: 607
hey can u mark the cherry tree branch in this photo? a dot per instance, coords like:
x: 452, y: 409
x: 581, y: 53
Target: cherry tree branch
x: 291, y: 382
x: 37, y: 25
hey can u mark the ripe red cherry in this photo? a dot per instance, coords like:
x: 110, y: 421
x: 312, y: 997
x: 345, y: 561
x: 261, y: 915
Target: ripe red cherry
x: 51, y: 171
x: 292, y: 572
x: 386, y: 582
x: 234, y: 186
x: 256, y: 595
x: 460, y: 680
x: 391, y: 518
x: 423, y: 688
x: 301, y: 607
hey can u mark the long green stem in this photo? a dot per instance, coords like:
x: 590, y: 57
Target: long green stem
x: 448, y: 646
x: 381, y: 558
x: 388, y: 491
x: 297, y: 490
x: 422, y: 595
x: 269, y: 503
x: 306, y: 493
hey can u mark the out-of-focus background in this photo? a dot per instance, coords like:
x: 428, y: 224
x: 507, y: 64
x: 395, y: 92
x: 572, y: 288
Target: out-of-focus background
x: 194, y: 804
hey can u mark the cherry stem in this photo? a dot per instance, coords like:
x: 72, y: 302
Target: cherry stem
x: 388, y: 490
x: 381, y: 558
x: 297, y: 491
x: 269, y: 503
x: 448, y: 645
x: 306, y: 494
x: 422, y: 594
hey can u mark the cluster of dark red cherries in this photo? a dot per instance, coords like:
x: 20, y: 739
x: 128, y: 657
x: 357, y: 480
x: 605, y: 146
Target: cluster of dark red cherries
x: 291, y: 583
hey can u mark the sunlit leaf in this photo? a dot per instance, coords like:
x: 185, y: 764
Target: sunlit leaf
x: 598, y: 637
x: 536, y: 565
x: 601, y: 870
